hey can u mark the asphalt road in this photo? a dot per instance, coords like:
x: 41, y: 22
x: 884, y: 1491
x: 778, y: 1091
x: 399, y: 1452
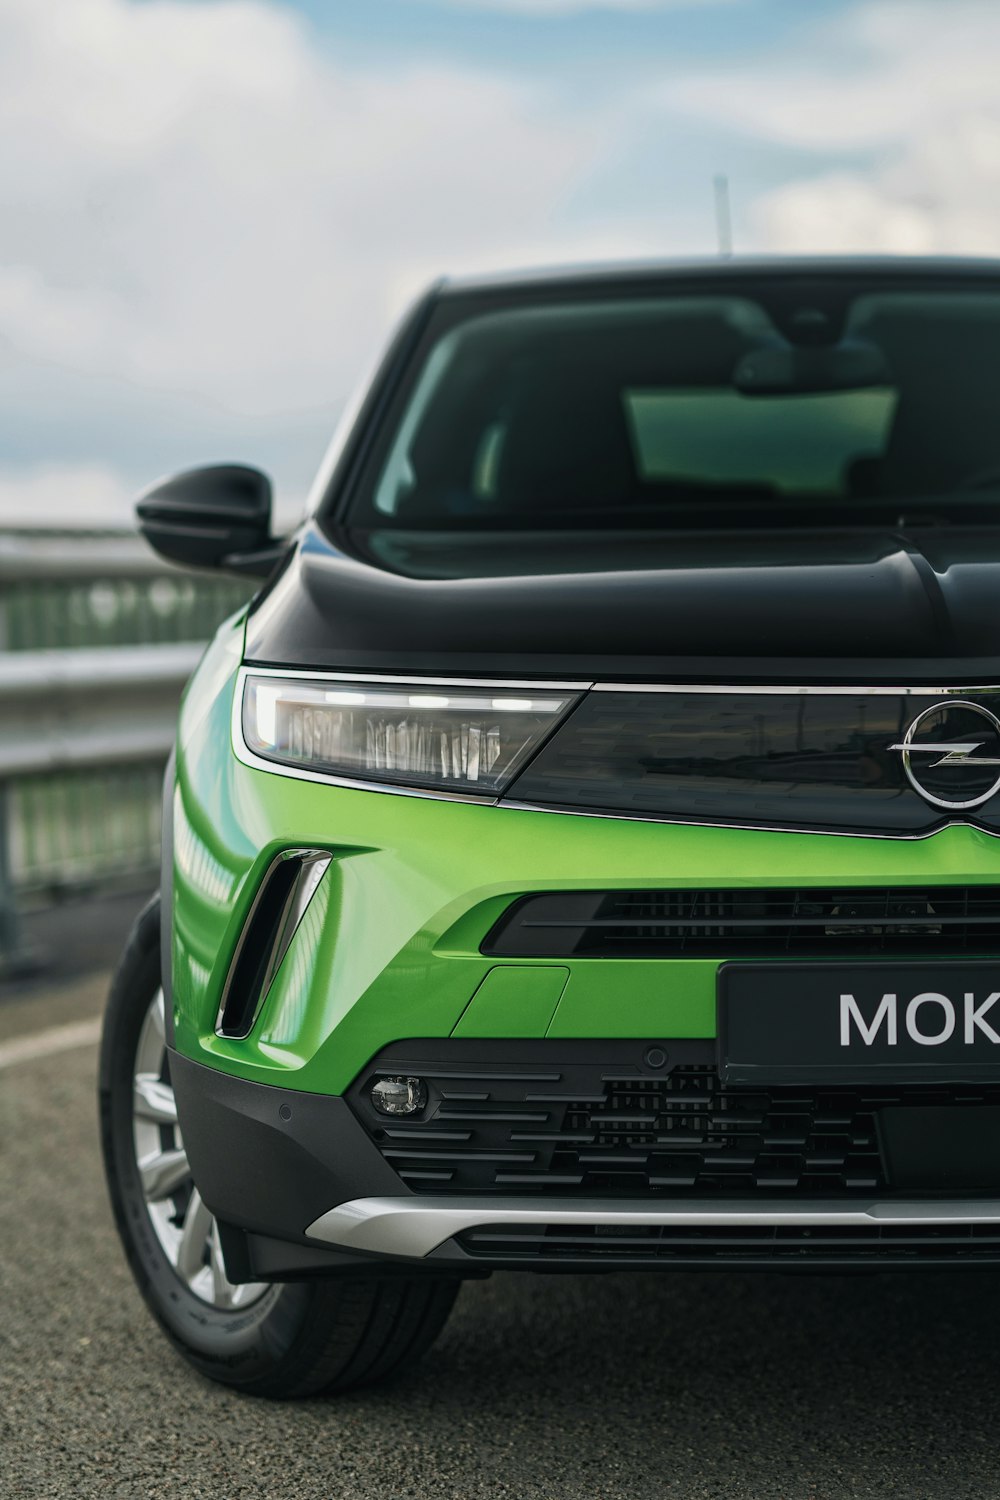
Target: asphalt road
x: 619, y: 1386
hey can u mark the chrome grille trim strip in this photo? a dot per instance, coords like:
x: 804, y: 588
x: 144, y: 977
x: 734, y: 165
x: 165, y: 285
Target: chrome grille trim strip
x: 335, y: 675
x: 790, y: 690
x: 809, y: 832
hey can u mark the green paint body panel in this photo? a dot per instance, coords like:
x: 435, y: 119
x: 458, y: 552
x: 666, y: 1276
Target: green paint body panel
x: 514, y: 1000
x: 389, y: 948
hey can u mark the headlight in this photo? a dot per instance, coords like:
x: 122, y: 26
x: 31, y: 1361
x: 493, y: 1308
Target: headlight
x: 456, y: 739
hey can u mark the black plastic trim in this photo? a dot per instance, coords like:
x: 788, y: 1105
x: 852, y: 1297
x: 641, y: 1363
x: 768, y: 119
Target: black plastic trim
x: 271, y: 1160
x: 762, y: 1248
x: 658, y: 1120
x: 261, y: 1257
x: 267, y: 1177
x: 820, y: 922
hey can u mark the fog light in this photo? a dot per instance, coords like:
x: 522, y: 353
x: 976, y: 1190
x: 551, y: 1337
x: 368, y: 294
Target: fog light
x: 399, y: 1096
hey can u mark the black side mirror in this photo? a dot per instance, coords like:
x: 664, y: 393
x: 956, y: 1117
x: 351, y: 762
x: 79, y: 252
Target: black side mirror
x: 217, y: 517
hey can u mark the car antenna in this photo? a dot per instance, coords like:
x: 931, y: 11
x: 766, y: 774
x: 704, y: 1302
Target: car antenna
x: 723, y: 217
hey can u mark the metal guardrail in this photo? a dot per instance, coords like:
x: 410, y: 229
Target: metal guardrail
x: 72, y: 590
x: 82, y: 711
x: 97, y: 639
x: 62, y: 710
x: 44, y: 556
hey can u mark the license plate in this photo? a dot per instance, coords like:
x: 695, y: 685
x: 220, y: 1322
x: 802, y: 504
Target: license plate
x: 844, y: 1023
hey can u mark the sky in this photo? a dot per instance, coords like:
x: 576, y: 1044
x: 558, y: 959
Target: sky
x: 212, y: 211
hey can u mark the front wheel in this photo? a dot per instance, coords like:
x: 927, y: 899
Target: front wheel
x: 271, y: 1339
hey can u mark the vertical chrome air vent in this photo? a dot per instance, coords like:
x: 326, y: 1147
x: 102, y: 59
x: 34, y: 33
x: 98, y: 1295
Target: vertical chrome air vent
x: 288, y: 886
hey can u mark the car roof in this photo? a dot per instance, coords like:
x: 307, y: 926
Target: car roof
x: 735, y: 268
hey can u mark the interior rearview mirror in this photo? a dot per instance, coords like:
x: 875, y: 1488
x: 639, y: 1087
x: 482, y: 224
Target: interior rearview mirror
x: 218, y: 517
x: 785, y: 369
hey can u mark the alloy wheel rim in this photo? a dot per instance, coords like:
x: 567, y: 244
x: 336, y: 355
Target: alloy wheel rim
x: 187, y: 1232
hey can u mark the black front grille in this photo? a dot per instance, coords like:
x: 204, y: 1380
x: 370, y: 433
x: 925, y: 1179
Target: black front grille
x: 773, y: 759
x: 806, y: 921
x: 586, y: 1126
x: 889, y: 1246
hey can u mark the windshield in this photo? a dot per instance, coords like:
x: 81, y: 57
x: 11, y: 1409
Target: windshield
x: 791, y: 405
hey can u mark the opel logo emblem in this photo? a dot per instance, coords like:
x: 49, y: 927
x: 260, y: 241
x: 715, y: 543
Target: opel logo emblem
x: 935, y: 763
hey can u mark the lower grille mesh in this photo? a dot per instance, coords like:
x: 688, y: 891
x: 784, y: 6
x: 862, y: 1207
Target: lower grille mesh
x: 808, y: 921
x: 884, y: 1245
x: 586, y: 1129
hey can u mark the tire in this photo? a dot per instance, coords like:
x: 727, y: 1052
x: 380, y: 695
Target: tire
x: 280, y: 1339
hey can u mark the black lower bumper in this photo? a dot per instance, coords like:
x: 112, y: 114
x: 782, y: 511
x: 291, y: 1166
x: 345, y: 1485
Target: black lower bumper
x: 276, y: 1165
x: 268, y: 1161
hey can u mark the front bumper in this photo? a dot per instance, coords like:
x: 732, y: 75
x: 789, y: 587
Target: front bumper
x: 300, y: 1188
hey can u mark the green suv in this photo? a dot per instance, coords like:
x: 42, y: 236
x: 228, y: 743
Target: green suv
x: 582, y: 852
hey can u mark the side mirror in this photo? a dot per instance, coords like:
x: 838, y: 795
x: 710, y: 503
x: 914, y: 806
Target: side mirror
x: 218, y: 517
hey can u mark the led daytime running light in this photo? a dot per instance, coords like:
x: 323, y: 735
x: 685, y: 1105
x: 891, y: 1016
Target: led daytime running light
x: 469, y: 740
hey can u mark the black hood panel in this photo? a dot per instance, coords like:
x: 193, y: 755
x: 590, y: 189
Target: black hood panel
x: 865, y: 605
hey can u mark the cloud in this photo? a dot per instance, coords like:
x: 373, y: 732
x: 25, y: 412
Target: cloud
x: 73, y: 495
x: 204, y: 204
x: 202, y: 199
x: 899, y: 102
x: 545, y: 8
